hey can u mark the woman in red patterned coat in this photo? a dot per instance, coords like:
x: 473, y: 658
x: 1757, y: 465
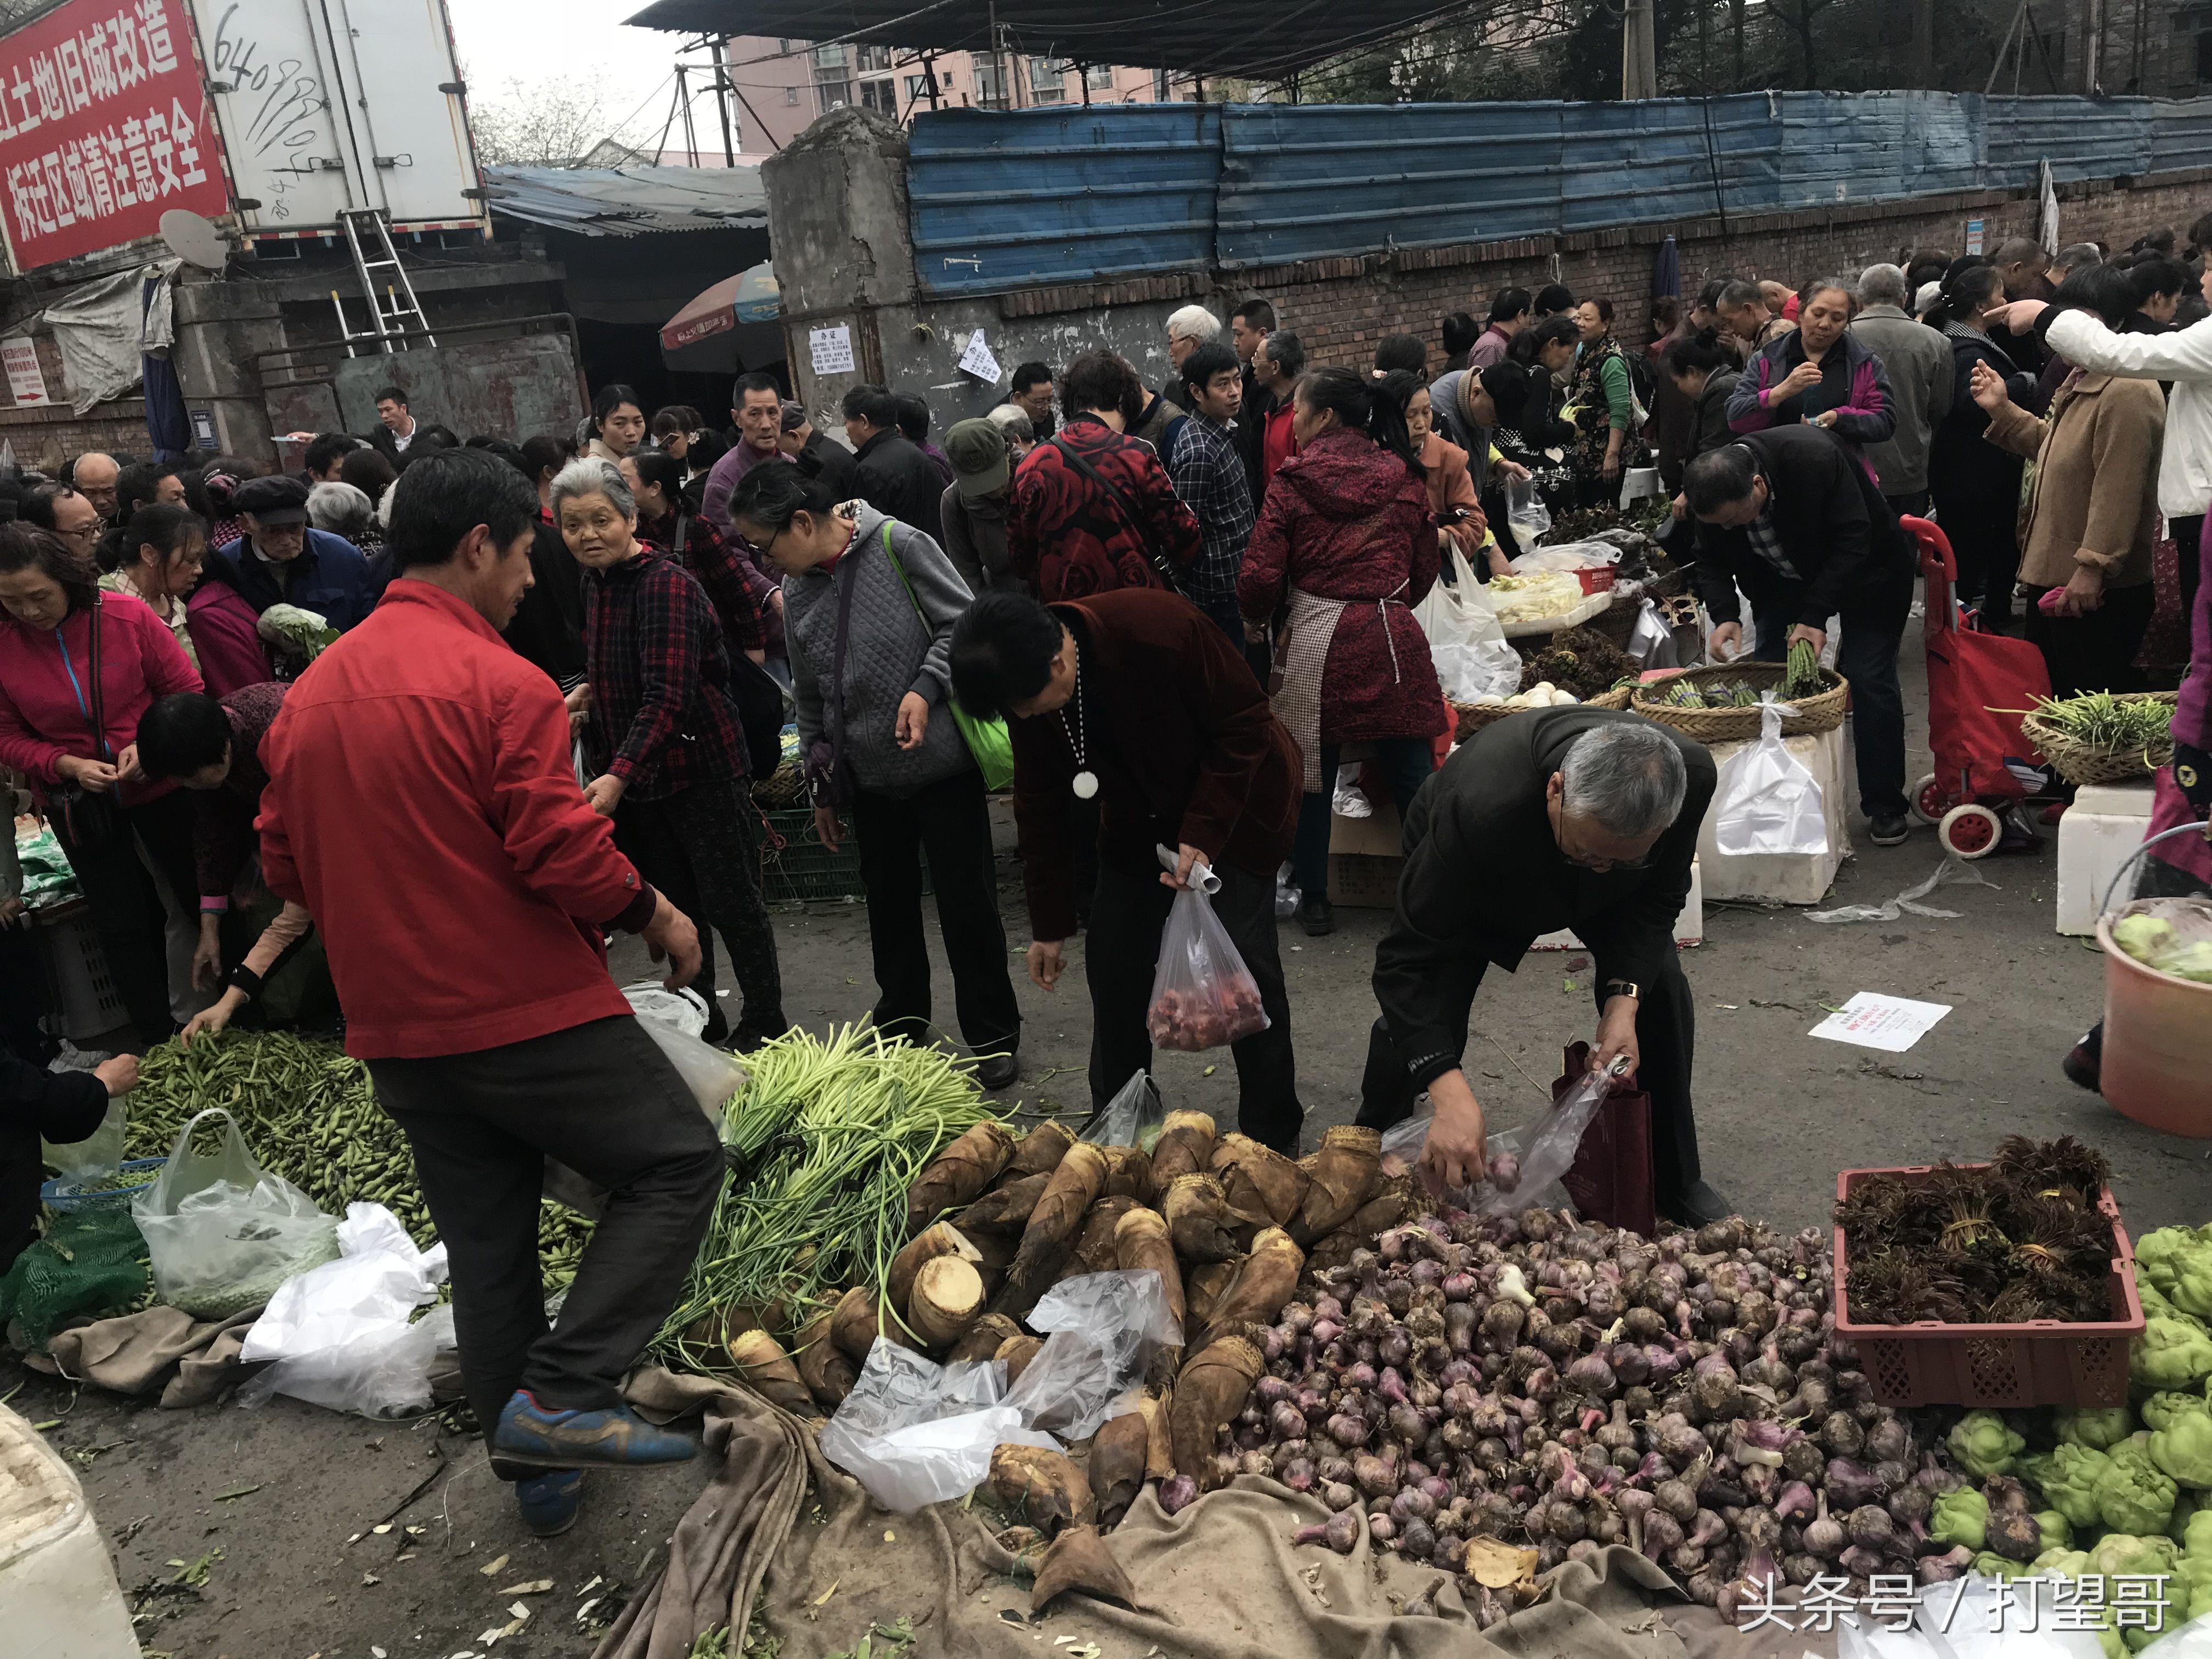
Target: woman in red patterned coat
x: 1093, y: 509
x: 1347, y: 531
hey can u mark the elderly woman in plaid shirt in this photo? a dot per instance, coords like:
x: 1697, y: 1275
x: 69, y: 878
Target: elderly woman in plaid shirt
x: 666, y: 736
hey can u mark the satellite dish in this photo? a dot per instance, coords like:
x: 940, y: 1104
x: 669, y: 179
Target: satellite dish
x: 193, y: 240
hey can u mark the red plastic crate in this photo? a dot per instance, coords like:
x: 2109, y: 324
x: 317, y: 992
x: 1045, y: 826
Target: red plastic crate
x: 2043, y: 1363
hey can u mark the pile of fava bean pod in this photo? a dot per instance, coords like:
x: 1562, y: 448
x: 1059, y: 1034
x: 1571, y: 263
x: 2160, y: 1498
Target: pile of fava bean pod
x: 309, y: 1114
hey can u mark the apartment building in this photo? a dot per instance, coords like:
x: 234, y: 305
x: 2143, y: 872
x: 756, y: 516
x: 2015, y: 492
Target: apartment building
x: 784, y: 85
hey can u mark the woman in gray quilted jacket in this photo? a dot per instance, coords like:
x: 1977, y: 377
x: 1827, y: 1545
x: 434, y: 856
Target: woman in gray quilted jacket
x: 868, y: 607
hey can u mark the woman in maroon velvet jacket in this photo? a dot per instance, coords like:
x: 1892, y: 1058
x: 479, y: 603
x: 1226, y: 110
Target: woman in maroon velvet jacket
x: 1347, y: 531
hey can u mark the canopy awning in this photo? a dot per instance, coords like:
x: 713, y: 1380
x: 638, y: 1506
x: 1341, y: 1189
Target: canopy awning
x: 1251, y: 40
x: 750, y: 296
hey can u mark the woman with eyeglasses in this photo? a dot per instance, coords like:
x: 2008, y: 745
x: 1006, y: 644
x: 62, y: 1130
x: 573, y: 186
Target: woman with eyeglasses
x: 1595, y: 813
x: 78, y: 666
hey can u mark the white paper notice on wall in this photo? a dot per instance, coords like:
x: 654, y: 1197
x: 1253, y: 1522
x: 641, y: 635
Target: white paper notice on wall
x: 833, y: 350
x: 26, y: 385
x: 977, y: 359
x: 1874, y: 1021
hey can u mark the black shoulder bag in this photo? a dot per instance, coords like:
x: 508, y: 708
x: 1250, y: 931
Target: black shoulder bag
x: 753, y: 687
x: 1159, y: 560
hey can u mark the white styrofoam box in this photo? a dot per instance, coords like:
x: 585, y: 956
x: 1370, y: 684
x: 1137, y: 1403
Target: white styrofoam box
x: 2100, y: 832
x: 57, y: 1583
x: 1689, y: 924
x: 1777, y: 878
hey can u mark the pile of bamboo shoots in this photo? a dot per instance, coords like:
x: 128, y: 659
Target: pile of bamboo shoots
x: 998, y: 1219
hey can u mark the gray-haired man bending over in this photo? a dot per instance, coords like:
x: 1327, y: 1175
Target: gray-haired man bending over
x: 1563, y: 817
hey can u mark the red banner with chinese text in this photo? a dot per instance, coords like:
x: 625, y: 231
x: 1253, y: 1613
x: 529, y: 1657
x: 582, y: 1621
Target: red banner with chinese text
x: 104, y: 127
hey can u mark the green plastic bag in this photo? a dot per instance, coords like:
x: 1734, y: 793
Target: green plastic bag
x: 988, y: 741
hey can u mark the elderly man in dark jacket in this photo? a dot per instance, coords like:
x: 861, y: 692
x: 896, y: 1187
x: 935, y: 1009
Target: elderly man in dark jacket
x: 1595, y: 814
x: 892, y: 474
x: 1792, y: 516
x: 279, y: 560
x: 1135, y: 698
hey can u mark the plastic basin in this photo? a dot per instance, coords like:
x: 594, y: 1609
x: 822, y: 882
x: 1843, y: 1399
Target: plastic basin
x: 2157, y: 1066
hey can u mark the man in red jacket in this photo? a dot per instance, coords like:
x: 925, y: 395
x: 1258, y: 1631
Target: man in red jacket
x: 423, y: 806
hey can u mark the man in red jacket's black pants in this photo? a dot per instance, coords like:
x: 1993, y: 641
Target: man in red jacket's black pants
x: 423, y: 806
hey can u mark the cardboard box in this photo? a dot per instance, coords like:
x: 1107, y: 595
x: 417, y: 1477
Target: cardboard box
x: 1363, y: 860
x: 2100, y: 833
x: 1774, y: 878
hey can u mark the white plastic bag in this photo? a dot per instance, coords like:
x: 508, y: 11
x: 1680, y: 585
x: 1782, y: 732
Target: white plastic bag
x: 1203, y: 995
x: 1466, y: 643
x: 913, y: 1432
x: 1546, y: 1149
x: 100, y: 1152
x: 1104, y: 1330
x: 1765, y: 802
x: 223, y: 1233
x: 1525, y: 511
x: 674, y: 1019
x: 1567, y: 557
x: 1951, y: 872
x: 340, y: 1332
x: 1132, y: 1117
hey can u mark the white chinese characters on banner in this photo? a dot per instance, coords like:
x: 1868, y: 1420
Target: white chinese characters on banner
x: 102, y: 127
x: 26, y: 382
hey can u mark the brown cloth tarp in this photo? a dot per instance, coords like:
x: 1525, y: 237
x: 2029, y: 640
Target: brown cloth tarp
x: 130, y: 1353
x: 1219, y: 1581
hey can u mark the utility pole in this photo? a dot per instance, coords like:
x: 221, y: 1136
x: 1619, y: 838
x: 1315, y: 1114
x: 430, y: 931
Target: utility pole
x: 2093, y: 42
x: 1003, y: 88
x: 729, y: 142
x: 1923, y: 43
x: 1639, y: 52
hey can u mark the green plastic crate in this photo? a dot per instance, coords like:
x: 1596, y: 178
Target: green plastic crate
x: 804, y: 871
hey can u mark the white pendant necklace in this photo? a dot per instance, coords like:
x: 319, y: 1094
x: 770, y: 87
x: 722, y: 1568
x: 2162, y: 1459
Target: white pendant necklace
x: 1085, y: 783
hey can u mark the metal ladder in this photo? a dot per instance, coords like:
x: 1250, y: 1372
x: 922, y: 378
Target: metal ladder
x: 395, y: 312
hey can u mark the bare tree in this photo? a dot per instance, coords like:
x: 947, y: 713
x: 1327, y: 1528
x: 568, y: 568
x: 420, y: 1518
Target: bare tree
x: 552, y: 123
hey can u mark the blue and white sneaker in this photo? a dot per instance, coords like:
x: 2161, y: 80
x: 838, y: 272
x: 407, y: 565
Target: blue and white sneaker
x: 612, y: 1435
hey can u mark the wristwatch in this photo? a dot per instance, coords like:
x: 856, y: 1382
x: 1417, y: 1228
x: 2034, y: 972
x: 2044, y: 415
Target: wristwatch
x: 1624, y: 988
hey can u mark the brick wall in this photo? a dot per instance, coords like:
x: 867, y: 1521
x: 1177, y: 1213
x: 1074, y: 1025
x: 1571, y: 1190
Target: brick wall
x: 1338, y: 308
x: 45, y: 435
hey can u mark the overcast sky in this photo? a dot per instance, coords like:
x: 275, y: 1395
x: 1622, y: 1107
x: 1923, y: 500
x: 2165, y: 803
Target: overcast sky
x: 534, y: 41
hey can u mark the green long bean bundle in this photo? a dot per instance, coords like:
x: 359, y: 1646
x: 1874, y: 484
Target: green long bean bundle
x: 308, y: 1114
x: 830, y: 1133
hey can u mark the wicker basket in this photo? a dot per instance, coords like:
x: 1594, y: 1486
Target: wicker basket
x: 1473, y: 717
x: 1823, y: 712
x: 2079, y: 762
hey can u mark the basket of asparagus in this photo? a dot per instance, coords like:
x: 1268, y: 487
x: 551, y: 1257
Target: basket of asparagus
x: 2103, y: 737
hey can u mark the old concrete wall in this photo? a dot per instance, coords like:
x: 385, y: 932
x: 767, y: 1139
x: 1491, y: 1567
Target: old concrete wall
x: 844, y: 257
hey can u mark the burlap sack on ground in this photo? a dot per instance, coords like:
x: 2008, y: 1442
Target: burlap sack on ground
x: 1220, y: 1581
x: 130, y: 1353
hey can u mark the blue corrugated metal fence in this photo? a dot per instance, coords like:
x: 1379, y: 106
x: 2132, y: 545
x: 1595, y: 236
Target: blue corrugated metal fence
x: 1012, y: 200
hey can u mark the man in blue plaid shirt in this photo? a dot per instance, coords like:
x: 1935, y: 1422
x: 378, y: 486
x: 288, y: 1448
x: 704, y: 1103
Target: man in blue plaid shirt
x: 1209, y: 476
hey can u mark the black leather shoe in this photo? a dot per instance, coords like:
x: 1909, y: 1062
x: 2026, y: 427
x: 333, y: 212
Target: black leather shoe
x: 997, y: 1071
x: 717, y: 1033
x: 1319, y: 916
x: 1697, y: 1206
x: 1889, y: 829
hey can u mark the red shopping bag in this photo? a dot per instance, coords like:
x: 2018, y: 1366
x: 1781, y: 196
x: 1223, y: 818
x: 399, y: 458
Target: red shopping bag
x: 1610, y: 1179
